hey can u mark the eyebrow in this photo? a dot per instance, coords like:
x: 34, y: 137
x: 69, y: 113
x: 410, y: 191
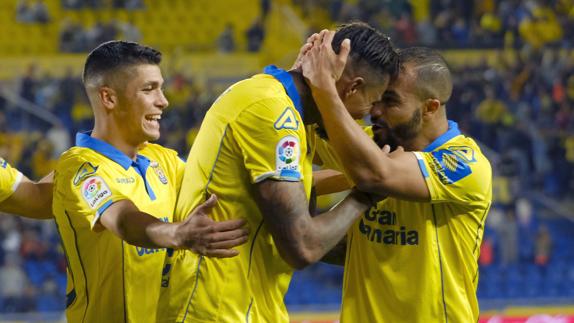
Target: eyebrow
x: 152, y: 83
x: 392, y: 94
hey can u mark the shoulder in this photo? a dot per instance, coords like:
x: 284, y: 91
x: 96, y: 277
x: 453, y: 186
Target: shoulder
x: 6, y: 168
x: 164, y: 156
x: 156, y: 150
x: 260, y: 94
x: 460, y: 162
x: 77, y: 164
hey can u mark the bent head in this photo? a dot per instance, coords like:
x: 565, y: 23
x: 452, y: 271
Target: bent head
x: 416, y: 97
x: 124, y: 84
x: 372, y: 64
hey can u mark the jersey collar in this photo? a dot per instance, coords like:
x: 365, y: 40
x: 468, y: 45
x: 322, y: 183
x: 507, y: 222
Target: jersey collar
x: 448, y: 135
x: 102, y: 147
x: 287, y: 80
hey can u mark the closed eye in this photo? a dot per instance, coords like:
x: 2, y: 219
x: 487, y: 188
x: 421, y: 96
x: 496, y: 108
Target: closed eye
x: 390, y: 98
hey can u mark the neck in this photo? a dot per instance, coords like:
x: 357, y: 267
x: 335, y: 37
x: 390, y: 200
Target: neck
x: 311, y: 113
x: 429, y: 133
x: 110, y: 133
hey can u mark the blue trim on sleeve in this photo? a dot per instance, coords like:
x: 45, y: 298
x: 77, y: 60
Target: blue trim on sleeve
x: 448, y: 135
x: 291, y: 174
x: 103, y: 208
x: 423, y: 167
x: 141, y: 164
x: 287, y: 80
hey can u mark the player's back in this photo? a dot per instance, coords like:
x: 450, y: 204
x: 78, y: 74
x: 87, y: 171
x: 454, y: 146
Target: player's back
x: 240, y: 143
x: 113, y: 280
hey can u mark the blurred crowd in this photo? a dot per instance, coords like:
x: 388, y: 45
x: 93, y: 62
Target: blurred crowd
x: 453, y: 23
x: 522, y: 108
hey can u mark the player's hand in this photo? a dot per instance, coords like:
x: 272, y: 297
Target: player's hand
x: 322, y: 67
x: 209, y: 238
x: 304, y: 49
x: 369, y: 200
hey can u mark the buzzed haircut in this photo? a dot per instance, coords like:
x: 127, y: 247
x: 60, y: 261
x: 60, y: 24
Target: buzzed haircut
x: 117, y: 54
x: 369, y: 48
x: 433, y: 77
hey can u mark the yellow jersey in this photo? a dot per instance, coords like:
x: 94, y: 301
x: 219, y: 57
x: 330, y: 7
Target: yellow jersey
x: 10, y: 178
x: 112, y: 280
x: 417, y: 262
x: 253, y: 132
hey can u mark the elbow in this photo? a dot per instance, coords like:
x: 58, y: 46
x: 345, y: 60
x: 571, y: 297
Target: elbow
x: 371, y: 182
x: 300, y: 259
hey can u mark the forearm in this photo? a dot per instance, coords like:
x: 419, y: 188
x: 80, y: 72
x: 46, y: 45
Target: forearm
x: 138, y: 228
x: 30, y: 200
x: 300, y: 238
x: 361, y: 157
x: 337, y: 255
x: 330, y: 227
x: 149, y: 232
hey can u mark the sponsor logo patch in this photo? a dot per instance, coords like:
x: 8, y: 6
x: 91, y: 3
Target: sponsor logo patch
x: 3, y: 163
x: 95, y: 191
x: 159, y: 172
x: 287, y: 120
x: 287, y: 157
x: 84, y: 171
x: 450, y: 166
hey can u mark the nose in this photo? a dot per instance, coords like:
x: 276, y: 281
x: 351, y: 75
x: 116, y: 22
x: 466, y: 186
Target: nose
x: 162, y: 101
x: 376, y: 112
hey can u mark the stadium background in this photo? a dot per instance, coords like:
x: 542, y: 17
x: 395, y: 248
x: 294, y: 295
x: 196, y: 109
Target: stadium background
x: 513, y: 66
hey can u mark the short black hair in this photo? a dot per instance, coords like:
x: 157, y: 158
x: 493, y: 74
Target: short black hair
x: 433, y: 77
x: 369, y: 47
x: 111, y: 55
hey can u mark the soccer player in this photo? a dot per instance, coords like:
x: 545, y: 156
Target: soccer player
x: 19, y: 195
x: 115, y: 194
x: 413, y: 257
x: 253, y: 149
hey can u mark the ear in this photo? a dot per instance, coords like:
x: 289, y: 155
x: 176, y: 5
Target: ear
x: 353, y: 86
x: 108, y: 97
x: 431, y: 107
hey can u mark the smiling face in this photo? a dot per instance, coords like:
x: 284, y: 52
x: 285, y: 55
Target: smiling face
x: 140, y: 104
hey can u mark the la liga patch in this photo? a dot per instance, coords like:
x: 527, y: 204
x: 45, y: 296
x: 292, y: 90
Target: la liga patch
x: 288, y: 151
x: 95, y: 191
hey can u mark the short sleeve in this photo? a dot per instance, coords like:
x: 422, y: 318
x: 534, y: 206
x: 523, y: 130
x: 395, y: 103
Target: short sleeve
x: 10, y: 178
x: 455, y: 175
x: 91, y: 189
x: 271, y: 136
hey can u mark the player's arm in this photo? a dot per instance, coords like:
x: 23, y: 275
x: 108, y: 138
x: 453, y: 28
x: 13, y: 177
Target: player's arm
x: 301, y: 239
x: 396, y: 174
x: 30, y: 199
x: 337, y: 255
x: 198, y: 232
